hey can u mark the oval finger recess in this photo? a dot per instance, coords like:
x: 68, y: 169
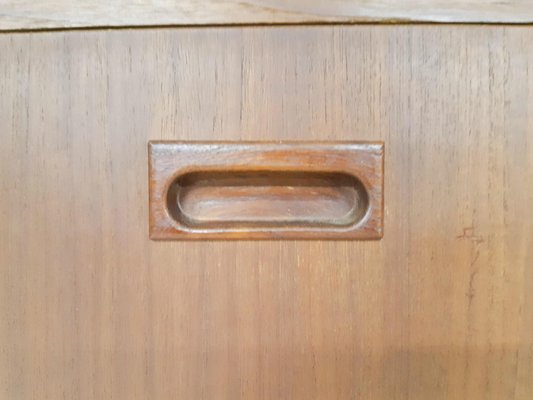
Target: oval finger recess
x: 267, y: 199
x: 210, y: 190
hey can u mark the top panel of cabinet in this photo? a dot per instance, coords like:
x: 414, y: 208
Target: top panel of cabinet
x: 65, y: 14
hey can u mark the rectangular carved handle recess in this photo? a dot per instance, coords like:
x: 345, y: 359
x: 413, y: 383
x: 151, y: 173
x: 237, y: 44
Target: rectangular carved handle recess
x: 254, y: 190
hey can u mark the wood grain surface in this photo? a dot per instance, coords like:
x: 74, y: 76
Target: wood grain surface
x: 46, y: 14
x: 265, y: 190
x: 440, y: 308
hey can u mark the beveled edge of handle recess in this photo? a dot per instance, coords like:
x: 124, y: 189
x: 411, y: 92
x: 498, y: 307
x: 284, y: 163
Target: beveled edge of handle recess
x: 265, y: 190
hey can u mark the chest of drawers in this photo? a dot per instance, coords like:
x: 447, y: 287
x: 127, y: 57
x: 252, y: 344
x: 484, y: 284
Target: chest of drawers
x: 440, y: 308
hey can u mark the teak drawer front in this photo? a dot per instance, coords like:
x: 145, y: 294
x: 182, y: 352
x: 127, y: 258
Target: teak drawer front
x: 439, y: 308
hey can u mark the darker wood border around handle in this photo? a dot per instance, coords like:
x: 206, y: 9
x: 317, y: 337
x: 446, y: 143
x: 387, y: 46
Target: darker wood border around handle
x: 263, y: 190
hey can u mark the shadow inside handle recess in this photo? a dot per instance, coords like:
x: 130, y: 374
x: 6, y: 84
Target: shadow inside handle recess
x: 225, y: 200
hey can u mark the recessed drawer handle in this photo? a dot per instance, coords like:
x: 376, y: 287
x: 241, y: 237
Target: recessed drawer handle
x: 222, y: 190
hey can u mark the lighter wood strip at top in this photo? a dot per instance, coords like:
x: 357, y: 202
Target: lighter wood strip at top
x: 43, y: 14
